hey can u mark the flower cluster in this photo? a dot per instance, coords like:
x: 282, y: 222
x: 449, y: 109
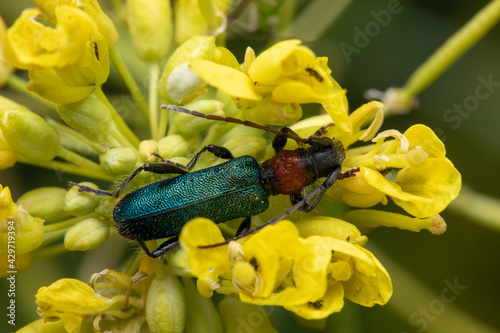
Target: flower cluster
x: 308, y: 266
x: 309, y: 276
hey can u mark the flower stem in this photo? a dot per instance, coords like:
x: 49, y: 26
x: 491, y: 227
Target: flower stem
x: 63, y: 224
x: 63, y: 167
x: 129, y: 82
x: 363, y: 217
x: 154, y: 76
x: 451, y: 50
x: 48, y: 252
x: 479, y: 207
x: 313, y: 21
x: 76, y: 135
x: 130, y: 139
x: 78, y: 160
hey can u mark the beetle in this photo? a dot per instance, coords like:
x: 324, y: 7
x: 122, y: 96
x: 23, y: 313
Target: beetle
x: 237, y: 188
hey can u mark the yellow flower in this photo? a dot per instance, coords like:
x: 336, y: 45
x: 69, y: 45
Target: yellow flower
x: 65, y: 63
x: 20, y: 233
x: 208, y: 264
x: 273, y: 85
x: 71, y: 301
x: 426, y: 181
x: 277, y: 267
x: 354, y: 273
x: 90, y: 7
x: 6, y: 68
x: 412, y: 169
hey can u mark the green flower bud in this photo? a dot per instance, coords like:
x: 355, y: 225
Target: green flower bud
x: 27, y: 133
x: 243, y: 317
x: 184, y: 85
x: 150, y: 24
x: 188, y: 125
x: 202, y: 315
x: 166, y: 305
x: 79, y: 204
x: 89, y: 116
x: 46, y: 203
x: 172, y: 146
x: 247, y: 145
x: 330, y: 227
x: 119, y: 161
x: 86, y: 234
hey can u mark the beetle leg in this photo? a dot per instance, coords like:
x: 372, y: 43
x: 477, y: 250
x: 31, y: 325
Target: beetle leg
x: 279, y: 141
x: 218, y: 151
x: 244, y: 226
x: 165, y: 247
x: 84, y: 188
x: 159, y: 168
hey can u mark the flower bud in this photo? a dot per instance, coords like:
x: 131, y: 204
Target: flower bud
x: 150, y: 24
x: 247, y: 145
x: 86, y: 234
x: 330, y: 227
x: 89, y: 116
x: 188, y: 125
x: 27, y: 133
x: 166, y: 305
x: 46, y: 203
x: 178, y: 83
x: 146, y: 148
x: 243, y: 317
x: 79, y: 204
x: 202, y: 315
x: 119, y: 161
x: 273, y: 113
x: 172, y: 146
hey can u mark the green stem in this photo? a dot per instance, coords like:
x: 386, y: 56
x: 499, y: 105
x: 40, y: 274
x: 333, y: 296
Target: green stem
x: 63, y: 224
x: 478, y: 207
x: 411, y: 295
x: 19, y: 84
x: 64, y: 167
x: 154, y: 76
x: 61, y: 128
x: 313, y: 21
x: 48, y: 252
x: 78, y: 160
x: 129, y: 82
x: 53, y: 237
x: 451, y: 50
x: 127, y: 137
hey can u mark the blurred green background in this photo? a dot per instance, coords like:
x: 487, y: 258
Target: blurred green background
x: 468, y: 253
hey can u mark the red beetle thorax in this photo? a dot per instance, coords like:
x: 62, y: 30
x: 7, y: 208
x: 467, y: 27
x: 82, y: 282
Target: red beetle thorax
x: 290, y: 172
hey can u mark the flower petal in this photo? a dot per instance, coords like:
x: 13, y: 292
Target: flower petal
x: 227, y: 79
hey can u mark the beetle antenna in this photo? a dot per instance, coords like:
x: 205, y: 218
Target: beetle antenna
x: 235, y: 121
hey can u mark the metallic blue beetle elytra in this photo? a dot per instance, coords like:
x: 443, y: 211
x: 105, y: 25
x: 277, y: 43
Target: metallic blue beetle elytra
x: 237, y: 188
